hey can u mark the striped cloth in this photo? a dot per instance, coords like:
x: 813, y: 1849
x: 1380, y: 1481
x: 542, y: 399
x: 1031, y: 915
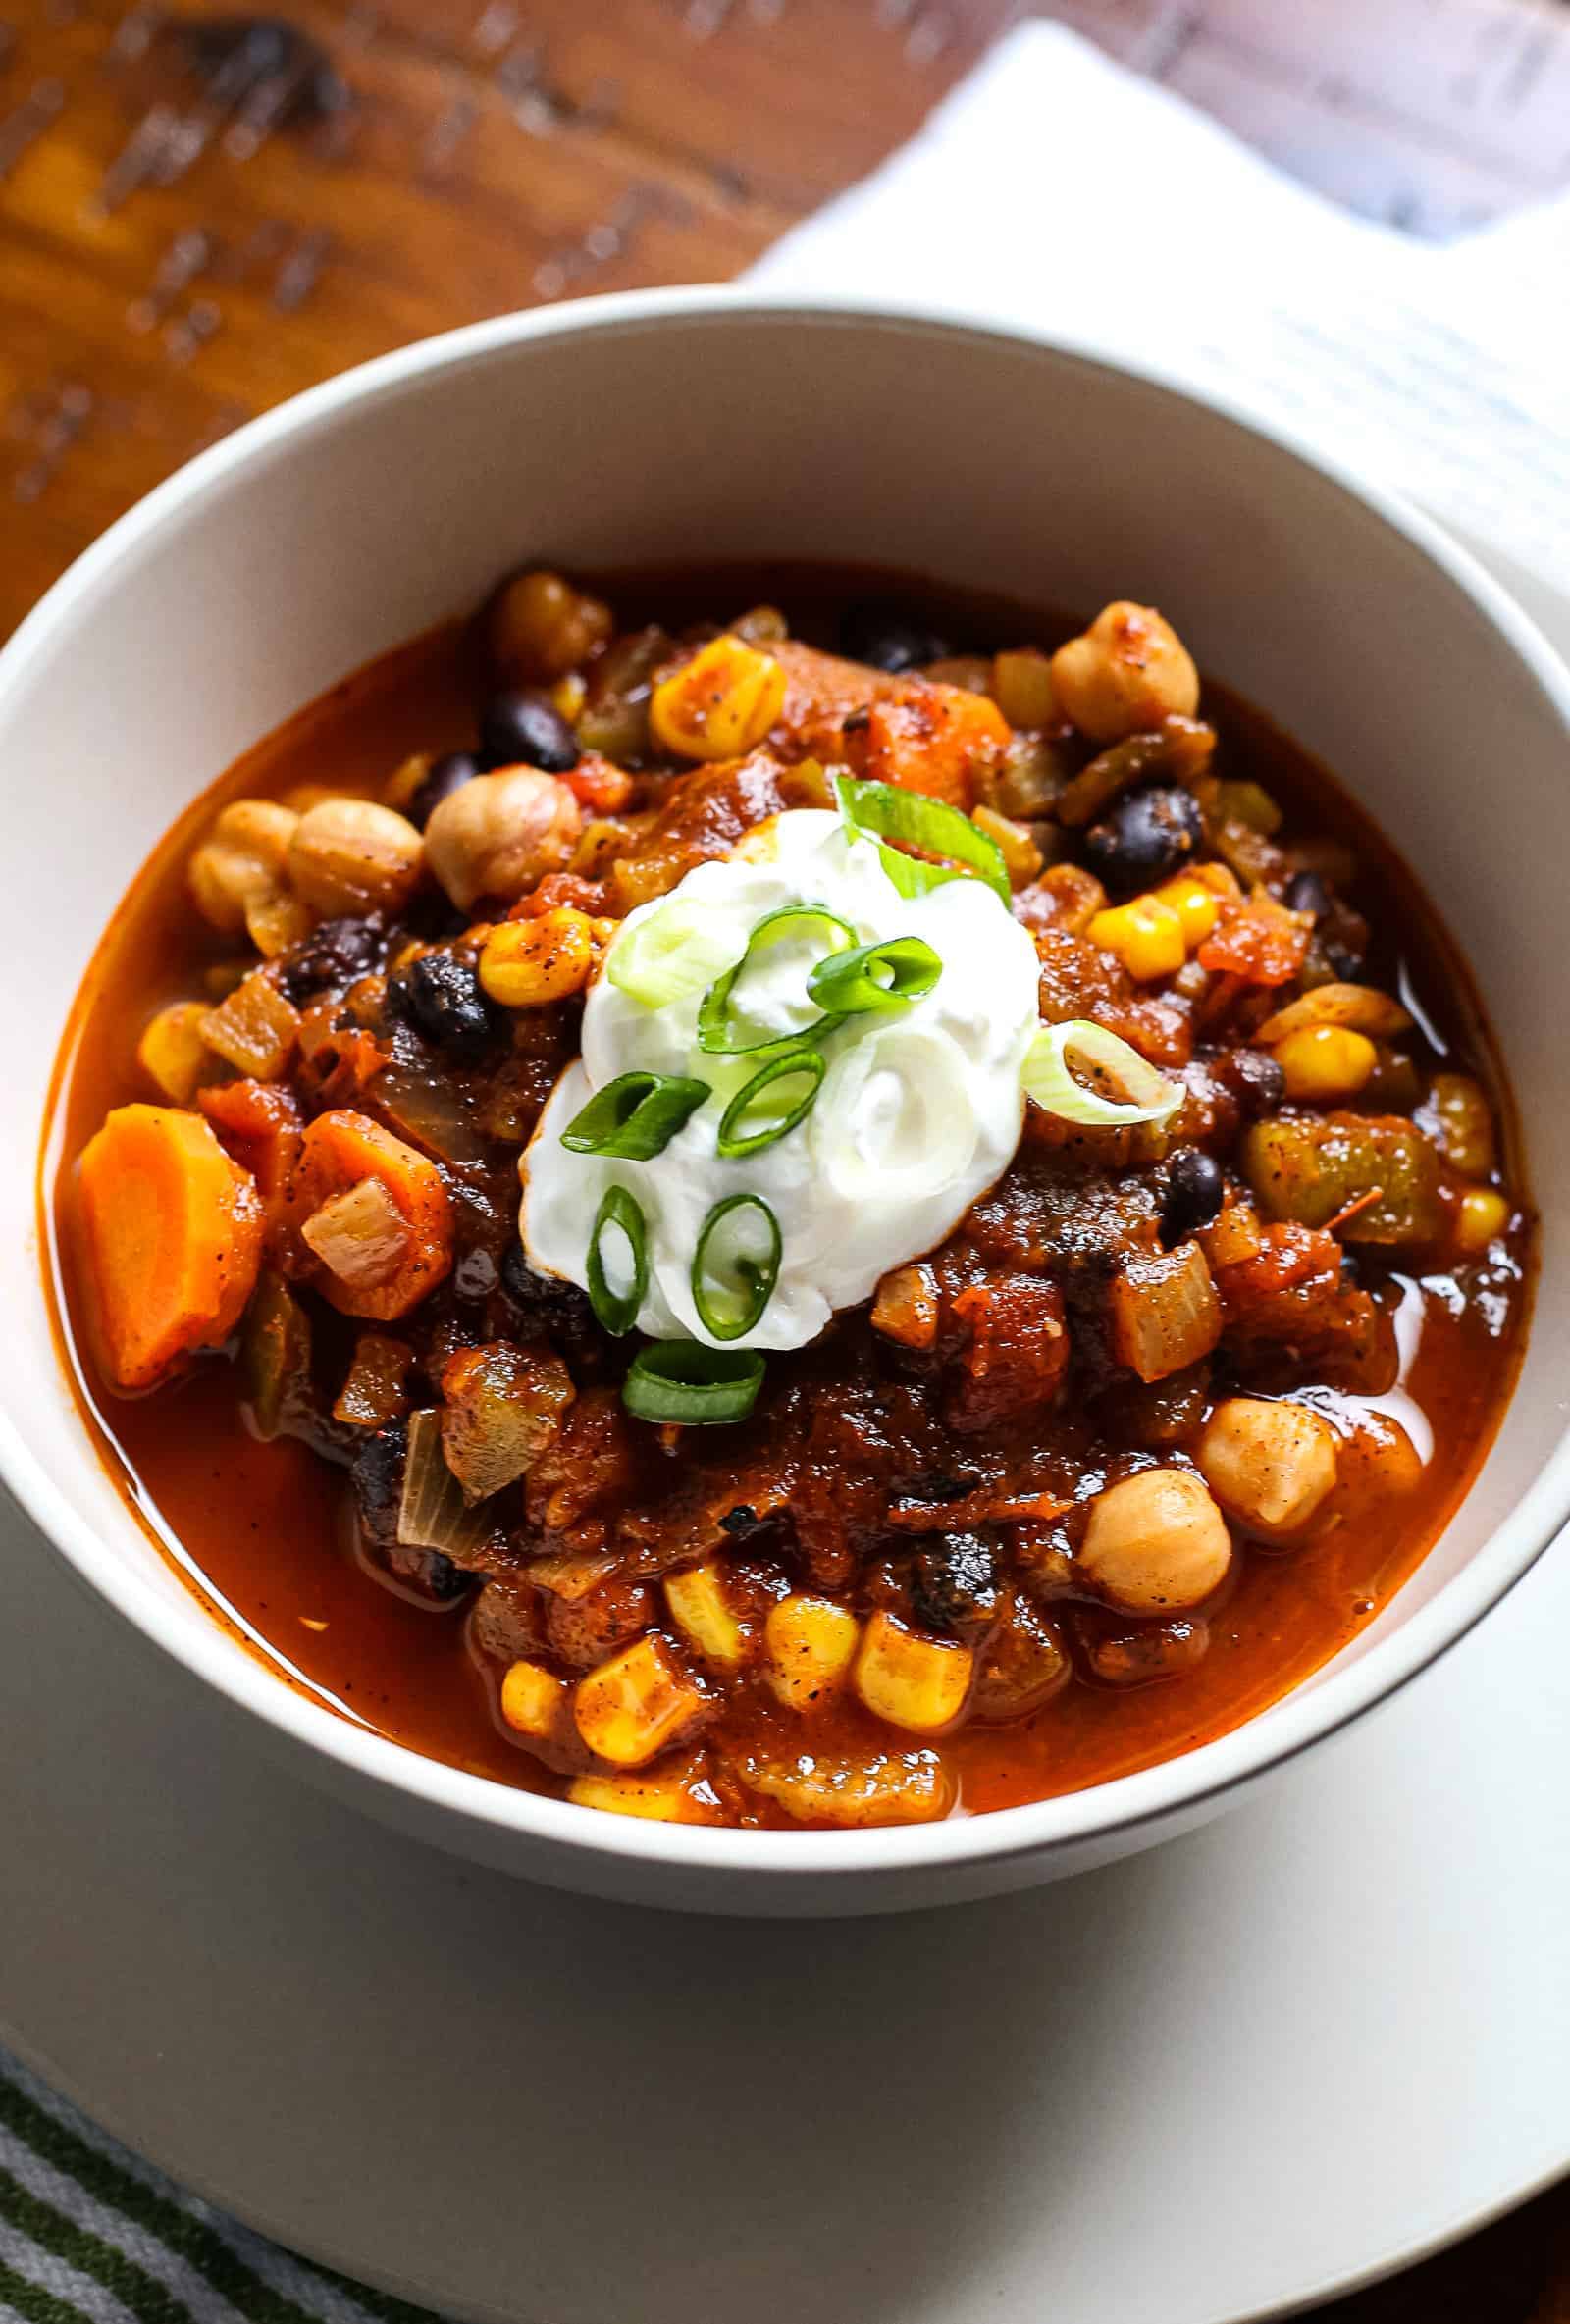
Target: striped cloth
x: 87, y: 2230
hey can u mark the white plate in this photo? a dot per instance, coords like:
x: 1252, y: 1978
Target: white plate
x: 1302, y: 2046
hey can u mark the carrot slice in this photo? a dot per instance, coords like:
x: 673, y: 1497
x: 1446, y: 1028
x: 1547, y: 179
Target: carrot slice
x: 340, y: 1151
x: 172, y: 1230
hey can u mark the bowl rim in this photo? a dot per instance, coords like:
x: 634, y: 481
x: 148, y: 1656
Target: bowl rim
x: 1167, y: 1790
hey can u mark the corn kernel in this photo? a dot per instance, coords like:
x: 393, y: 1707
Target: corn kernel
x: 1323, y: 1063
x: 528, y: 962
x: 1198, y: 905
x: 567, y: 696
x: 533, y: 1699
x: 172, y: 1050
x: 633, y: 1705
x: 1480, y: 1217
x: 699, y: 1610
x: 661, y: 1795
x: 720, y: 704
x: 915, y: 1682
x: 1147, y: 934
x: 810, y: 1645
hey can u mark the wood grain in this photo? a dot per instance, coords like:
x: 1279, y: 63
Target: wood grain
x: 486, y: 165
x: 492, y: 156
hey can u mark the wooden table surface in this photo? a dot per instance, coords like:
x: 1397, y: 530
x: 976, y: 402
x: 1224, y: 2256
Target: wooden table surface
x: 201, y: 213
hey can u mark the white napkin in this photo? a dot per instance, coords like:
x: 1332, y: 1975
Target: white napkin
x: 1053, y: 188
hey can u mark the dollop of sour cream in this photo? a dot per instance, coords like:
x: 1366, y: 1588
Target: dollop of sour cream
x: 919, y: 1113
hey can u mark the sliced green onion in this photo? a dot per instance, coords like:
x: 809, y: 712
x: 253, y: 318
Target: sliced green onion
x: 617, y: 1311
x: 672, y: 954
x: 720, y: 1032
x: 888, y: 975
x: 735, y: 1138
x: 731, y: 1284
x: 1146, y: 1096
x: 635, y: 1116
x: 683, y: 1381
x: 883, y: 811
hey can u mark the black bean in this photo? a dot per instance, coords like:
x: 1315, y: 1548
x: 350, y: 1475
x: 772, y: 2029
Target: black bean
x: 440, y: 995
x: 378, y: 1480
x: 544, y: 1307
x: 1149, y: 834
x: 1308, y: 893
x: 476, y: 1275
x: 447, y: 775
x: 333, y: 956
x: 1196, y: 1190
x: 526, y: 729
x: 884, y: 636
x: 954, y: 1583
x: 1255, y: 1079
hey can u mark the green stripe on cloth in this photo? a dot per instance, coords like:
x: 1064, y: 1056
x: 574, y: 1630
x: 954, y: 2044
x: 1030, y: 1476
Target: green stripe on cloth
x: 148, y: 2300
x: 31, y: 2302
x: 227, y: 2274
x: 159, y: 2217
x: 384, y: 2304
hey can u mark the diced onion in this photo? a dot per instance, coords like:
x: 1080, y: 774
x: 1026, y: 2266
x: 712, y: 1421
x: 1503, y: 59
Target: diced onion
x: 894, y: 1119
x: 673, y: 955
x: 1049, y: 1081
x: 433, y: 1513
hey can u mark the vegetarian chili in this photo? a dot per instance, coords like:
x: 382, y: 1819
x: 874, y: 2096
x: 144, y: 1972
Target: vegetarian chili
x: 887, y: 1208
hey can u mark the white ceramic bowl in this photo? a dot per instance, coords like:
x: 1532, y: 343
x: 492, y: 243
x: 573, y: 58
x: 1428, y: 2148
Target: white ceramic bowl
x: 706, y: 424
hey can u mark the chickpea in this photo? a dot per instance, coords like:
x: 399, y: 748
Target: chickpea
x: 241, y: 861
x: 540, y: 627
x: 1155, y: 1541
x: 1125, y: 674
x: 1269, y: 1463
x: 501, y: 833
x: 351, y: 855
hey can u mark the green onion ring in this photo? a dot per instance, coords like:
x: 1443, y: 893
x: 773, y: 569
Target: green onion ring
x: 635, y: 1116
x: 883, y: 811
x: 618, y: 1209
x: 1147, y: 1095
x: 732, y: 1141
x: 683, y: 1382
x: 717, y: 1033
x: 670, y: 955
x: 754, y: 1277
x: 848, y: 984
